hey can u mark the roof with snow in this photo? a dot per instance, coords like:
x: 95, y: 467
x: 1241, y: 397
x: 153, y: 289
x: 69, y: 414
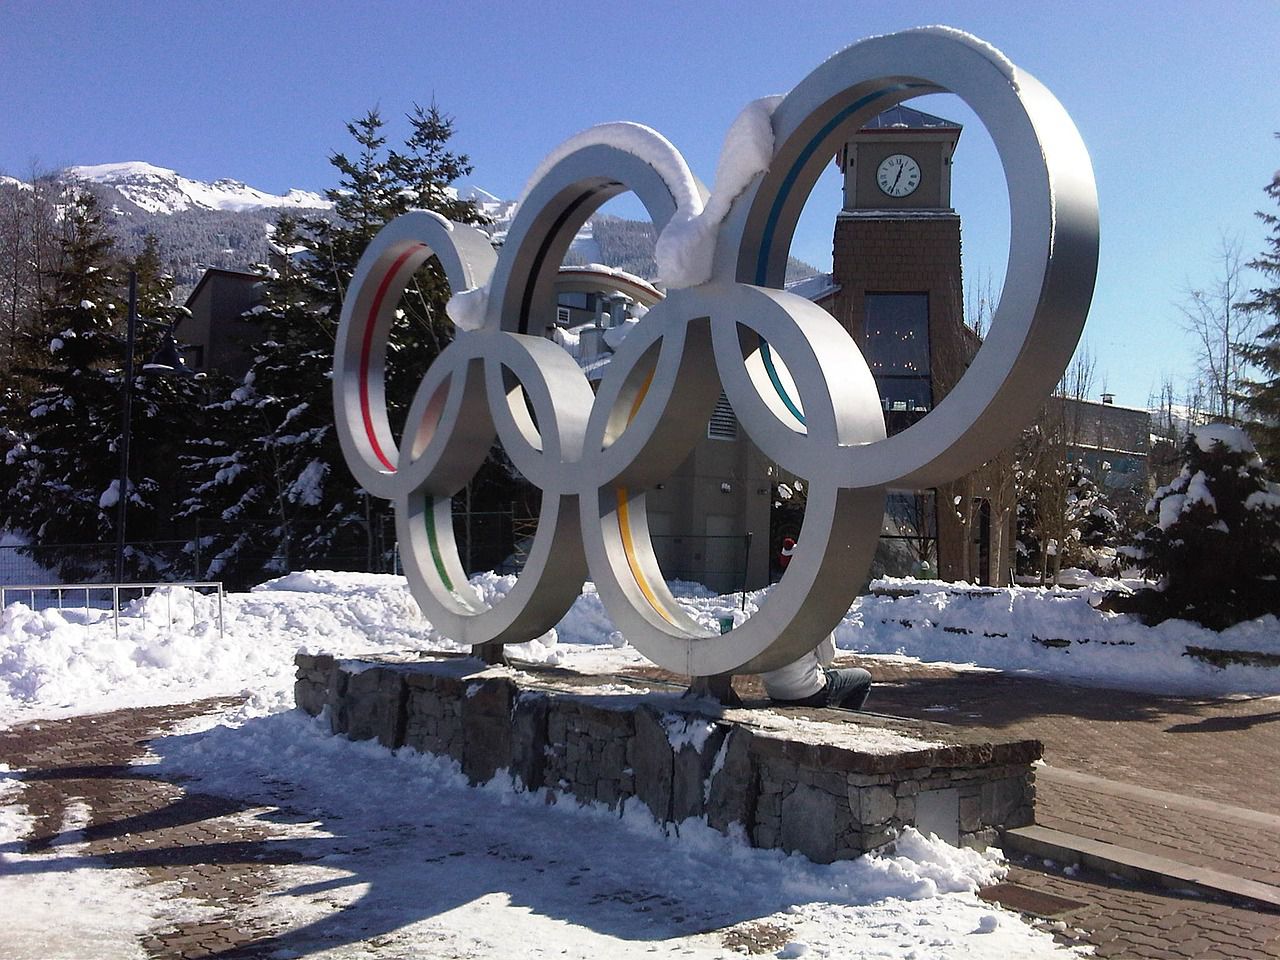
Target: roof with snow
x: 815, y: 288
x: 613, y: 279
x: 903, y: 117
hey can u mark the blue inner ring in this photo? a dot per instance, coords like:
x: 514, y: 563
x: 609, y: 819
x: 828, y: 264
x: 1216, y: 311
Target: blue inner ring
x: 775, y: 214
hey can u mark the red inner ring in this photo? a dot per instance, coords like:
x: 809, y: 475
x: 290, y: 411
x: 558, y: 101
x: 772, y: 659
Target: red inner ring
x: 366, y: 348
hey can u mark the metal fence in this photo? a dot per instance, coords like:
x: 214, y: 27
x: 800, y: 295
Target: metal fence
x: 108, y: 599
x: 719, y: 562
x: 487, y: 540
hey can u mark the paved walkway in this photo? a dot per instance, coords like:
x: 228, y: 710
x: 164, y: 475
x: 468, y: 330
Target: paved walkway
x: 1194, y: 781
x: 219, y: 858
x: 1191, y: 780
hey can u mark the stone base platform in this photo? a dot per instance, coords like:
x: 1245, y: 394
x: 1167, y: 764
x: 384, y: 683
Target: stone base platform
x: 829, y: 784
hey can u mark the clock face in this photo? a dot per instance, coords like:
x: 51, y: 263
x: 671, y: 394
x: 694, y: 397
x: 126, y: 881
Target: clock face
x: 898, y: 175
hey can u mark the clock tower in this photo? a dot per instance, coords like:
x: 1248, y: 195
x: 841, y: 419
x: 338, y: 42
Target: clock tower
x: 896, y: 267
x: 896, y: 259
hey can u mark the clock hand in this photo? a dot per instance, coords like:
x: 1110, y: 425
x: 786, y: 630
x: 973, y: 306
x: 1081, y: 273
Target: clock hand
x: 897, y: 178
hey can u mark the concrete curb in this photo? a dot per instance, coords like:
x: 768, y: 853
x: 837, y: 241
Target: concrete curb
x: 1134, y: 865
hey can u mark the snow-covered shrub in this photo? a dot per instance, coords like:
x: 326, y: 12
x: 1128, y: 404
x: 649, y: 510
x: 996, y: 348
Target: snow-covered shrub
x: 1080, y: 532
x: 1214, y: 537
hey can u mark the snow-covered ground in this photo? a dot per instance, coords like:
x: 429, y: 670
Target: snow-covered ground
x: 423, y: 865
x: 64, y: 662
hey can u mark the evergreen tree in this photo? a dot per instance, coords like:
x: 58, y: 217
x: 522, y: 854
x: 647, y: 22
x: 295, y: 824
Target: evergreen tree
x: 62, y: 476
x: 167, y: 411
x: 1215, y: 540
x: 274, y: 474
x: 1264, y: 394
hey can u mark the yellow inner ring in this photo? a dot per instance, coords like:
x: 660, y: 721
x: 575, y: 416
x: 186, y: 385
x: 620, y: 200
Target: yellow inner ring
x: 624, y: 523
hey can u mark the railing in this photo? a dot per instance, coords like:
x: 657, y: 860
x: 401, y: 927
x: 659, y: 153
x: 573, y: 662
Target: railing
x: 113, y: 590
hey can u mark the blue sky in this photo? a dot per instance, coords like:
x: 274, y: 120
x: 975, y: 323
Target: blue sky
x: 1177, y: 102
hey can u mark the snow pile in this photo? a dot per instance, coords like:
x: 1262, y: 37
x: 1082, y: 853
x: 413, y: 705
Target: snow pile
x: 993, y: 55
x: 687, y: 245
x: 467, y: 308
x: 640, y: 141
x: 169, y: 649
x: 1058, y: 633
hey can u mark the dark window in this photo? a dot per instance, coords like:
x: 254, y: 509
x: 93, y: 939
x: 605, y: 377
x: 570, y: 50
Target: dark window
x: 911, y: 515
x: 908, y: 544
x: 578, y: 301
x: 897, y: 350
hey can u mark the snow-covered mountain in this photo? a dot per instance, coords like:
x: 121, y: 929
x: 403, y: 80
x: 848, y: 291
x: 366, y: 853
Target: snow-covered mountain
x: 160, y: 190
x: 227, y: 223
x: 499, y: 211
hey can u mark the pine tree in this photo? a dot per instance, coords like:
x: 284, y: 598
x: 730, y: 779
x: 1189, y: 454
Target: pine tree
x: 167, y: 411
x: 274, y: 474
x: 62, y: 477
x: 1214, y: 544
x: 1264, y: 394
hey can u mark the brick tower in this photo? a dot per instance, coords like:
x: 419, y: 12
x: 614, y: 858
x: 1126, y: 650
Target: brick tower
x: 896, y: 265
x: 896, y: 259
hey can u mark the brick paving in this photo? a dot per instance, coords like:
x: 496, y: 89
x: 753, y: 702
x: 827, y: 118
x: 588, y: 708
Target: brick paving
x: 1224, y: 750
x: 1208, y: 751
x: 1121, y: 919
x: 217, y: 857
x: 1197, y: 837
x: 1220, y: 750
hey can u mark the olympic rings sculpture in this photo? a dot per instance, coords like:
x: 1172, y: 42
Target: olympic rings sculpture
x: 796, y: 380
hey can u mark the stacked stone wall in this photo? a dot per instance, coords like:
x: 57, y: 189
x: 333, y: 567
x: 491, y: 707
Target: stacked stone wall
x: 826, y: 802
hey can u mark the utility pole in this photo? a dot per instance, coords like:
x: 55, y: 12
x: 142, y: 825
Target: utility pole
x: 122, y: 492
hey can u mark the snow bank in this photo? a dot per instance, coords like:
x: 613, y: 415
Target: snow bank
x: 62, y: 662
x: 1056, y: 633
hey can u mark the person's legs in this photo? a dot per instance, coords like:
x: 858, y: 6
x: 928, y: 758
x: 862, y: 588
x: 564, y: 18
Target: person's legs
x: 847, y: 687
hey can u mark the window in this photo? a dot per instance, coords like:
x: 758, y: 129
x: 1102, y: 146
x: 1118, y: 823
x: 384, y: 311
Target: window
x: 723, y: 425
x: 908, y: 544
x: 911, y: 515
x: 897, y: 350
